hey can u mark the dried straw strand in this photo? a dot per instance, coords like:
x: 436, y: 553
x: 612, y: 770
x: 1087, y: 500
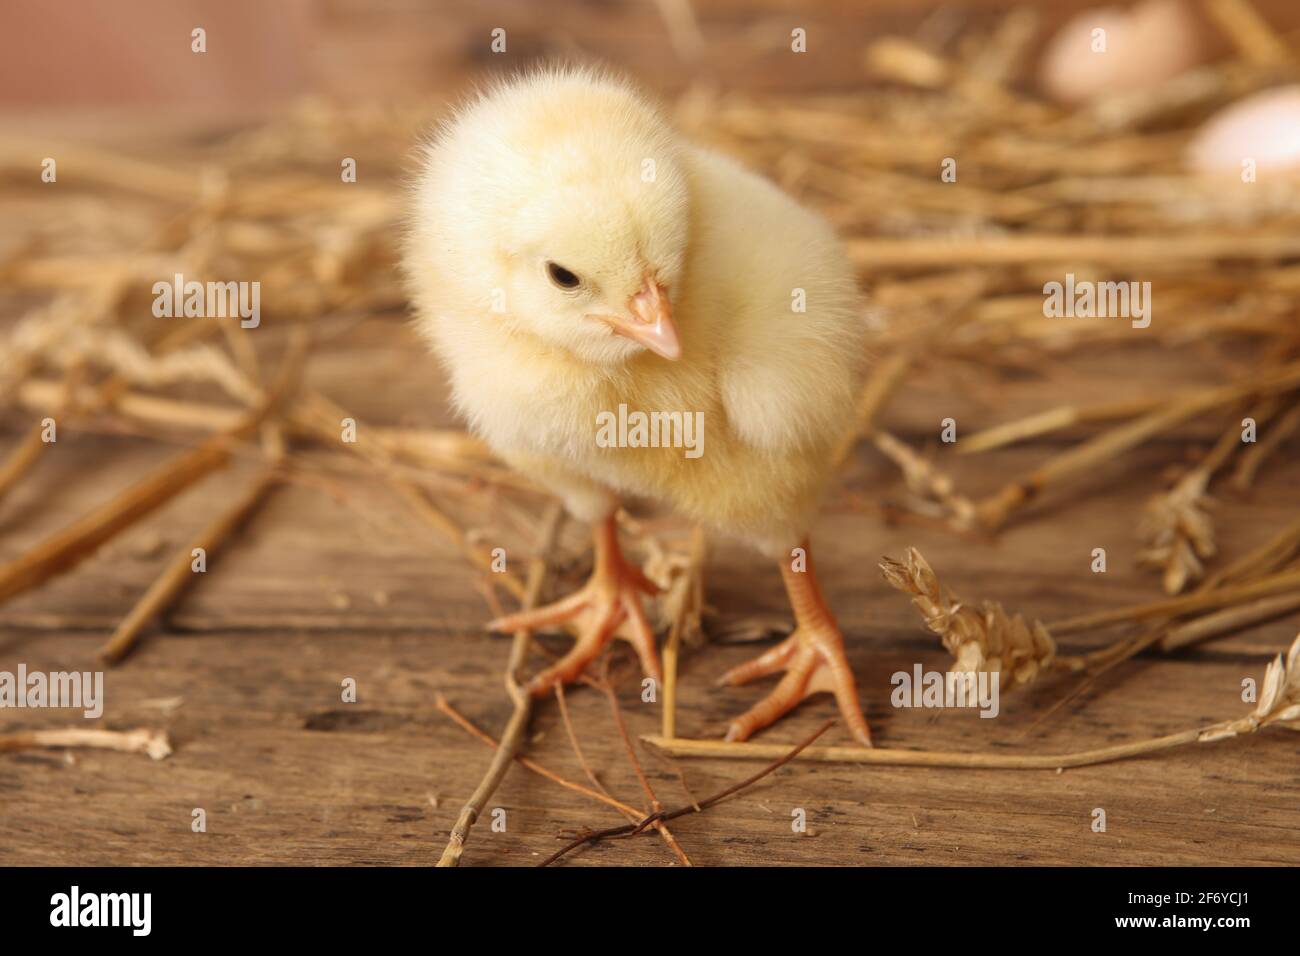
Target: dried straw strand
x: 981, y: 640
x: 178, y: 573
x: 151, y: 742
x: 1278, y: 705
x: 512, y: 737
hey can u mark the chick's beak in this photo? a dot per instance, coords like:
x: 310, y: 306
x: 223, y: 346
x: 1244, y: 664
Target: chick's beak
x: 651, y: 321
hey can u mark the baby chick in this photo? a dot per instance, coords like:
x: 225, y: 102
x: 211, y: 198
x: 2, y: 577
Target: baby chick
x: 570, y: 253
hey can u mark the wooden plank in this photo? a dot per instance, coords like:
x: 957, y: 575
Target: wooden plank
x: 297, y: 566
x: 334, y: 579
x: 289, y: 774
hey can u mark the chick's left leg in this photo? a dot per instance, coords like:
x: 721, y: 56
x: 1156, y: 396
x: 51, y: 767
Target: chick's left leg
x: 607, y: 606
x: 812, y: 658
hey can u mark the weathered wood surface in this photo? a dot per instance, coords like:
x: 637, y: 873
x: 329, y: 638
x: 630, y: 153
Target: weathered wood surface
x: 338, y: 581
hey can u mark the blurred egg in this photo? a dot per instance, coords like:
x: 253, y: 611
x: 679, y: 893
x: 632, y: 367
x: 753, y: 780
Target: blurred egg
x: 1110, y: 50
x: 1264, y: 127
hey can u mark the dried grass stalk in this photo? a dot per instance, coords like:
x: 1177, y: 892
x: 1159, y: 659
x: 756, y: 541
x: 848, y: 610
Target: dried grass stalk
x: 1122, y: 251
x: 512, y: 737
x: 981, y: 640
x: 1275, y: 437
x: 179, y: 572
x: 21, y: 459
x: 997, y: 508
x: 1179, y: 531
x: 1054, y: 419
x: 1279, y: 699
x: 1176, y: 524
x: 1228, y: 621
x: 1249, y: 32
x: 432, y: 514
x: 1278, y: 706
x: 151, y: 742
x: 683, y: 604
x: 878, y: 389
x: 461, y: 721
x: 67, y: 548
x: 927, y: 482
x: 1203, y: 599
x: 1269, y: 557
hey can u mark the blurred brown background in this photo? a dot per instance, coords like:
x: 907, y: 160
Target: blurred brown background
x: 81, y: 54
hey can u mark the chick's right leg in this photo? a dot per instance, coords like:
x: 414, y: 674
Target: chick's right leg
x: 607, y: 606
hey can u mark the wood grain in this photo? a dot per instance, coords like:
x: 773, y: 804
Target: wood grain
x: 335, y: 582
x: 334, y: 578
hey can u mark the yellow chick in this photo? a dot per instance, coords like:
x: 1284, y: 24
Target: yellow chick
x: 624, y: 313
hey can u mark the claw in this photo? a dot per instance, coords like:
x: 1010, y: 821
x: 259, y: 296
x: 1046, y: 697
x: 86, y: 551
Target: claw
x: 588, y: 646
x: 769, y: 663
x: 642, y: 636
x: 813, y: 661
x: 556, y: 613
x: 607, y: 606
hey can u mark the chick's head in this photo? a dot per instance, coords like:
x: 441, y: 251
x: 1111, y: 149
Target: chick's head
x: 555, y: 205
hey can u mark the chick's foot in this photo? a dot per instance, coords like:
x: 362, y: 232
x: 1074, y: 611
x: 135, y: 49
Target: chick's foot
x: 813, y: 661
x: 607, y: 606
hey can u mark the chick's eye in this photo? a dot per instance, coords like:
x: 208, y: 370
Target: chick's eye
x: 561, y: 276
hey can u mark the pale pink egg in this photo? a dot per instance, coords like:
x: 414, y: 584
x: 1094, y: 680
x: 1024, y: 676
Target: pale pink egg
x: 1110, y: 50
x: 1264, y: 127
